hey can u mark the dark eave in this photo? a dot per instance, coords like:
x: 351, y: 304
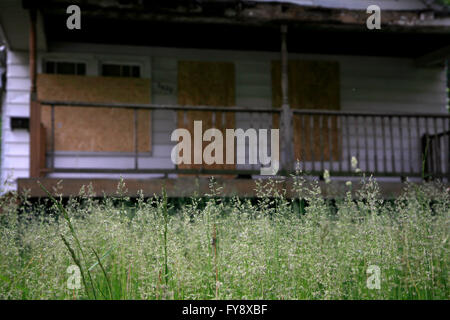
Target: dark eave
x: 247, y: 25
x: 245, y: 13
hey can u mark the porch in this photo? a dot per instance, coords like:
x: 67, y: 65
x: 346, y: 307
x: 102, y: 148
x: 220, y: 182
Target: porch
x: 392, y: 147
x: 294, y: 94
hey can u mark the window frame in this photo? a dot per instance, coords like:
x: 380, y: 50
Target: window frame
x: 129, y: 63
x: 44, y: 61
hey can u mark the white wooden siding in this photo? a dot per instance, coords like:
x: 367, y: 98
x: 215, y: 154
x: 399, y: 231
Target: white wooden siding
x: 379, y: 84
x: 15, y: 144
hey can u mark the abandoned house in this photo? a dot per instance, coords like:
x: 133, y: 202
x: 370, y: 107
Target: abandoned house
x: 100, y: 102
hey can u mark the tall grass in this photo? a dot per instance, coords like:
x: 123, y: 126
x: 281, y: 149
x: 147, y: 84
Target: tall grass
x: 272, y: 248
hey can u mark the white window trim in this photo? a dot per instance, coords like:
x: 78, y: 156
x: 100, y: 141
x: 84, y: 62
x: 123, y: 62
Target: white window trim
x: 44, y: 61
x: 66, y: 57
x: 142, y: 62
x: 121, y: 63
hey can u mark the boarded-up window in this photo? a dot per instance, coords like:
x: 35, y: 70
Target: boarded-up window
x: 312, y: 85
x: 92, y: 128
x: 206, y: 84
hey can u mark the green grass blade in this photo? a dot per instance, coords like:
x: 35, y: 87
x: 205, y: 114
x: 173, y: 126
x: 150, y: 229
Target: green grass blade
x: 104, y: 273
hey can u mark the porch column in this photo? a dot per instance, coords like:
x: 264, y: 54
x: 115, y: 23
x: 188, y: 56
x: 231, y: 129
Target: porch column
x: 35, y: 107
x: 286, y: 131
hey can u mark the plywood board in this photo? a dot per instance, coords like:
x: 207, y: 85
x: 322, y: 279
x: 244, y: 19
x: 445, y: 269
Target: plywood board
x: 312, y: 85
x: 206, y: 84
x: 96, y: 129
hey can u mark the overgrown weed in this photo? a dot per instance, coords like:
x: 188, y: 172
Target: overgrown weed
x: 274, y: 248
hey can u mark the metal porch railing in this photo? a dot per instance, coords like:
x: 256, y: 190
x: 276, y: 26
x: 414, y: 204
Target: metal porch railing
x: 383, y: 144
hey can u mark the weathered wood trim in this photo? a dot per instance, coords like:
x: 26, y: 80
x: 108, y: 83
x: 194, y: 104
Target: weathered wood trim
x: 286, y: 113
x: 37, y: 154
x: 186, y: 187
x: 36, y: 141
x: 239, y: 13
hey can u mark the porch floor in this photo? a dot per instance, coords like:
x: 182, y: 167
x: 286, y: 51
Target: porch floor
x: 184, y: 187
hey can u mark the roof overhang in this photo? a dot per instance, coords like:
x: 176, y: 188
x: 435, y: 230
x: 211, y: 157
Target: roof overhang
x: 395, y: 17
x: 409, y: 27
x: 15, y: 24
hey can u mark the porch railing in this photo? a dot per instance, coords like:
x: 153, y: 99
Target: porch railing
x: 383, y: 144
x: 435, y: 150
x: 136, y: 169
